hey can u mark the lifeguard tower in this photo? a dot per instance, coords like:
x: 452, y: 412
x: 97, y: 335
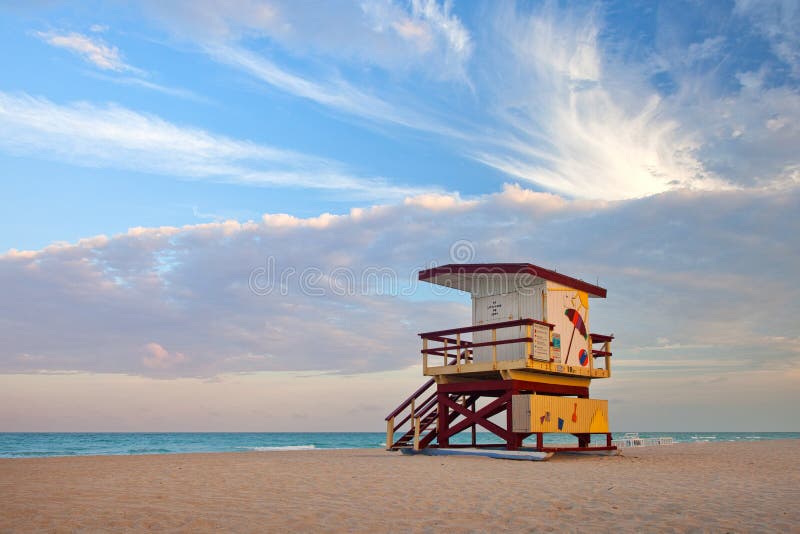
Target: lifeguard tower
x: 529, y: 354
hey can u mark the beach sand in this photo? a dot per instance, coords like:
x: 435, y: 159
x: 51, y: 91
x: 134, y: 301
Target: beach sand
x: 737, y: 487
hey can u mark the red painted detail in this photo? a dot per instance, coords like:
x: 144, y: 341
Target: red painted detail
x: 601, y: 338
x: 493, y: 269
x: 577, y: 321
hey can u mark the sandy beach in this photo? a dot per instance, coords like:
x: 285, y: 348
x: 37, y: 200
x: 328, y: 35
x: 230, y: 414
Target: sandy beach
x: 737, y: 487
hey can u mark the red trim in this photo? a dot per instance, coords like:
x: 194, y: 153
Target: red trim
x: 512, y: 268
x: 522, y: 386
x: 601, y: 338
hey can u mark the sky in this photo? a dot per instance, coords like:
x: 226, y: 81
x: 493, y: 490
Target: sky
x: 214, y: 212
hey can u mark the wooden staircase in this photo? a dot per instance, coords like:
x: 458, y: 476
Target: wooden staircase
x: 421, y: 410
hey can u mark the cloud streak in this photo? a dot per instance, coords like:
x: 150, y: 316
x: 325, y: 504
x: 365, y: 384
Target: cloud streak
x: 91, y: 49
x: 113, y: 136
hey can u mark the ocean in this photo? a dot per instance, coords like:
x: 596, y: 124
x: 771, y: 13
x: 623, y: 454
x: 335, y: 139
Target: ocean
x: 36, y: 444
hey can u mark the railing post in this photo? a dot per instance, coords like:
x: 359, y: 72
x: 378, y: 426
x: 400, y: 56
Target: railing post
x: 494, y: 348
x: 607, y: 349
x: 528, y: 344
x: 416, y: 433
x: 445, y: 352
x: 424, y: 356
x: 413, y: 402
x: 458, y: 350
x: 389, y: 433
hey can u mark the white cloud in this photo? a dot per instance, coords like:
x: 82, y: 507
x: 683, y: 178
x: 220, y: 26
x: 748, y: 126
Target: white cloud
x: 113, y: 136
x: 91, y: 49
x: 327, y: 293
x: 686, y: 305
x: 157, y: 357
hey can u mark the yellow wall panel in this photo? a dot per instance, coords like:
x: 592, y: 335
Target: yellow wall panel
x: 546, y: 413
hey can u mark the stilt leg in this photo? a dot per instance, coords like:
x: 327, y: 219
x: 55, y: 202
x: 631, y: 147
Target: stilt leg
x: 444, y: 423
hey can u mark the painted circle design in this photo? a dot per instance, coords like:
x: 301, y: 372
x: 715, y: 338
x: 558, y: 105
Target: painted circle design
x: 583, y: 357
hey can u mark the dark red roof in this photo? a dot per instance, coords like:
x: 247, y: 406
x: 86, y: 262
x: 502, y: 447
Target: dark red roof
x: 464, y: 270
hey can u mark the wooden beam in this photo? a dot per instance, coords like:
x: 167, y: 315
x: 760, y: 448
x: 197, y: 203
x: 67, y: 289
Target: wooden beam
x: 389, y: 433
x: 480, y: 417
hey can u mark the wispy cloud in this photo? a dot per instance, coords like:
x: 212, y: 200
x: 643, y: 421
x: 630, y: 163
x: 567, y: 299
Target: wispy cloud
x: 109, y: 61
x: 570, y: 120
x: 335, y: 94
x: 91, y: 49
x: 152, y: 86
x: 113, y: 136
x: 421, y: 35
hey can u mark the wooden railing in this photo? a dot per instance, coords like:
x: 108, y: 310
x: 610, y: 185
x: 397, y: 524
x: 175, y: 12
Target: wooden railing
x: 450, y: 341
x: 605, y: 352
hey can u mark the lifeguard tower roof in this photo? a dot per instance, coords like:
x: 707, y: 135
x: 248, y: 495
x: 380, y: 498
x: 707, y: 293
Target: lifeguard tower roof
x: 464, y: 276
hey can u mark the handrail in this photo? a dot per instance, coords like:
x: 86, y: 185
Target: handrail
x: 406, y: 403
x: 422, y: 410
x: 439, y: 351
x: 478, y: 328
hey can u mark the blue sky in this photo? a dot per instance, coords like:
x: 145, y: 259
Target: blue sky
x: 152, y: 155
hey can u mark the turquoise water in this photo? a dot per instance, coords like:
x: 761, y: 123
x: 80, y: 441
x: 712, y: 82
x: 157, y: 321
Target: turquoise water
x: 17, y: 445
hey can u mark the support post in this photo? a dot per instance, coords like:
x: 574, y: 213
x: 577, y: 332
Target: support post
x: 443, y: 436
x: 474, y: 431
x: 539, y: 441
x: 389, y: 433
x: 416, y: 433
x: 512, y: 443
x: 445, y: 352
x: 458, y: 351
x: 424, y: 356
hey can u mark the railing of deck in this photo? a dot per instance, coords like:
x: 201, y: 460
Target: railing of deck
x: 446, y: 342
